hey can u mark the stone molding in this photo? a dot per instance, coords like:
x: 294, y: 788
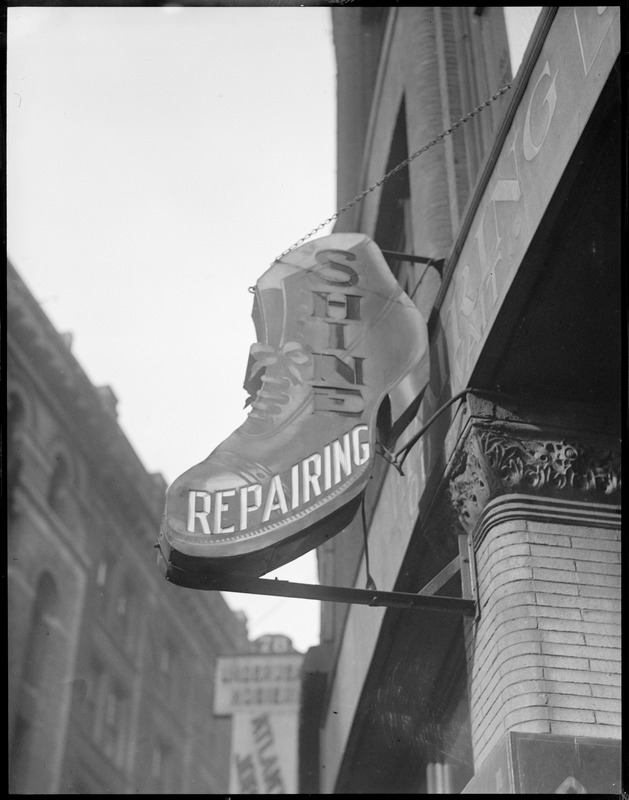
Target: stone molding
x: 496, y: 458
x: 511, y: 507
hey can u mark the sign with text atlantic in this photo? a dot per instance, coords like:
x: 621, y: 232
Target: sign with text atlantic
x: 262, y: 693
x: 264, y: 754
x: 575, y: 60
x: 336, y: 335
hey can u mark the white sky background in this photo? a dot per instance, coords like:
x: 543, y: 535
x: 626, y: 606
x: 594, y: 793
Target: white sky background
x: 158, y: 160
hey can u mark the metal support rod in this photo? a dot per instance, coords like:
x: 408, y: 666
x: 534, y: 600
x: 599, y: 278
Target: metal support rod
x: 443, y: 577
x: 337, y: 594
x: 436, y: 262
x: 469, y: 586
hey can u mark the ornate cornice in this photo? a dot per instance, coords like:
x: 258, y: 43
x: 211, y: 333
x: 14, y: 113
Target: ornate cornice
x: 495, y: 458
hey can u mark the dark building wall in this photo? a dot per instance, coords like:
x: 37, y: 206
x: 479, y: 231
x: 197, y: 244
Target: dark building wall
x: 110, y: 667
x: 526, y: 470
x: 411, y: 90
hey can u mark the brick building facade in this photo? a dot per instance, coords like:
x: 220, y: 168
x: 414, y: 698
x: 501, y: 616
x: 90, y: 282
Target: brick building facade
x: 510, y: 488
x: 110, y: 668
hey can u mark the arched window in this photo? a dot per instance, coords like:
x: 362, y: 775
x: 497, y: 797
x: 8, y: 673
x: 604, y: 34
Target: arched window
x: 170, y: 667
x: 94, y: 690
x: 57, y: 488
x: 103, y: 579
x: 114, y: 723
x: 19, y: 751
x: 59, y: 492
x: 15, y: 458
x: 41, y: 634
x: 40, y: 640
x: 163, y: 772
x: 126, y: 614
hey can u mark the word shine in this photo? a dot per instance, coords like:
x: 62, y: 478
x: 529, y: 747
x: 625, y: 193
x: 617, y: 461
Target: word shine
x: 229, y: 510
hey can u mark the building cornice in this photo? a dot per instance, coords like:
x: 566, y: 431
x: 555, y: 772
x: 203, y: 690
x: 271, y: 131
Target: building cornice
x: 499, y: 458
x: 504, y: 461
x: 511, y: 507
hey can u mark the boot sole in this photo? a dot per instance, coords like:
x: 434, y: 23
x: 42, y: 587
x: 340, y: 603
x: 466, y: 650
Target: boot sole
x: 191, y: 571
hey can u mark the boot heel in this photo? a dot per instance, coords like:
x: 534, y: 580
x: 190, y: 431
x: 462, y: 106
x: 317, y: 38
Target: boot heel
x: 406, y: 396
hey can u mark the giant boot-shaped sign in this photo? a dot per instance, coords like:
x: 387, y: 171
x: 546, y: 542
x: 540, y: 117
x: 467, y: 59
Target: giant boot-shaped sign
x: 336, y: 334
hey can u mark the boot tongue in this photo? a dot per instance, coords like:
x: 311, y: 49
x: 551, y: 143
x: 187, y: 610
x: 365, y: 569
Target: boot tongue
x: 267, y: 316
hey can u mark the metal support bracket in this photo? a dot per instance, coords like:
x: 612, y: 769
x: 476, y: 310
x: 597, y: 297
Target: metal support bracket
x: 421, y: 601
x: 469, y: 582
x: 442, y: 578
x: 437, y: 263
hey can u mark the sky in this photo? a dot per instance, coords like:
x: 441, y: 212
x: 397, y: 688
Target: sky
x: 158, y: 160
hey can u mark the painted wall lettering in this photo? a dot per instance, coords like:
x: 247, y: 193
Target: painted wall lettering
x: 579, y: 52
x: 532, y: 145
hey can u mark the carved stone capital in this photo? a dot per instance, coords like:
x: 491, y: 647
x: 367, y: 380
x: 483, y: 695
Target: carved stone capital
x: 497, y: 458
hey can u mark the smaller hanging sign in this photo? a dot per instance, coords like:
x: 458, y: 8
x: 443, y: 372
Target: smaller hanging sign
x: 261, y: 691
x: 264, y: 754
x: 257, y: 682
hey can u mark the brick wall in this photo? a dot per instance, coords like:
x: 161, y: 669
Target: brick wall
x: 545, y: 652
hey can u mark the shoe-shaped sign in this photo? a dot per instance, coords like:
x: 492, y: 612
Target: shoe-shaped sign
x: 336, y: 334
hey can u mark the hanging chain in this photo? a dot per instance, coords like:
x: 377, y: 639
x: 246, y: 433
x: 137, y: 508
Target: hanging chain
x: 395, y: 169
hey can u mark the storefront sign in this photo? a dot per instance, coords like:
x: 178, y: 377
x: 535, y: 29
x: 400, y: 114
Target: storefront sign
x: 289, y: 489
x: 336, y: 335
x: 575, y: 61
x: 257, y: 683
x: 261, y: 691
x: 264, y: 754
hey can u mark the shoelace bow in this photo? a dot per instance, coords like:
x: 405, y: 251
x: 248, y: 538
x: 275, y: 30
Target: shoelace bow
x: 290, y: 358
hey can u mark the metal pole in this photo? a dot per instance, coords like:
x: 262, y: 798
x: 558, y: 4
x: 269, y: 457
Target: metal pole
x: 335, y: 594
